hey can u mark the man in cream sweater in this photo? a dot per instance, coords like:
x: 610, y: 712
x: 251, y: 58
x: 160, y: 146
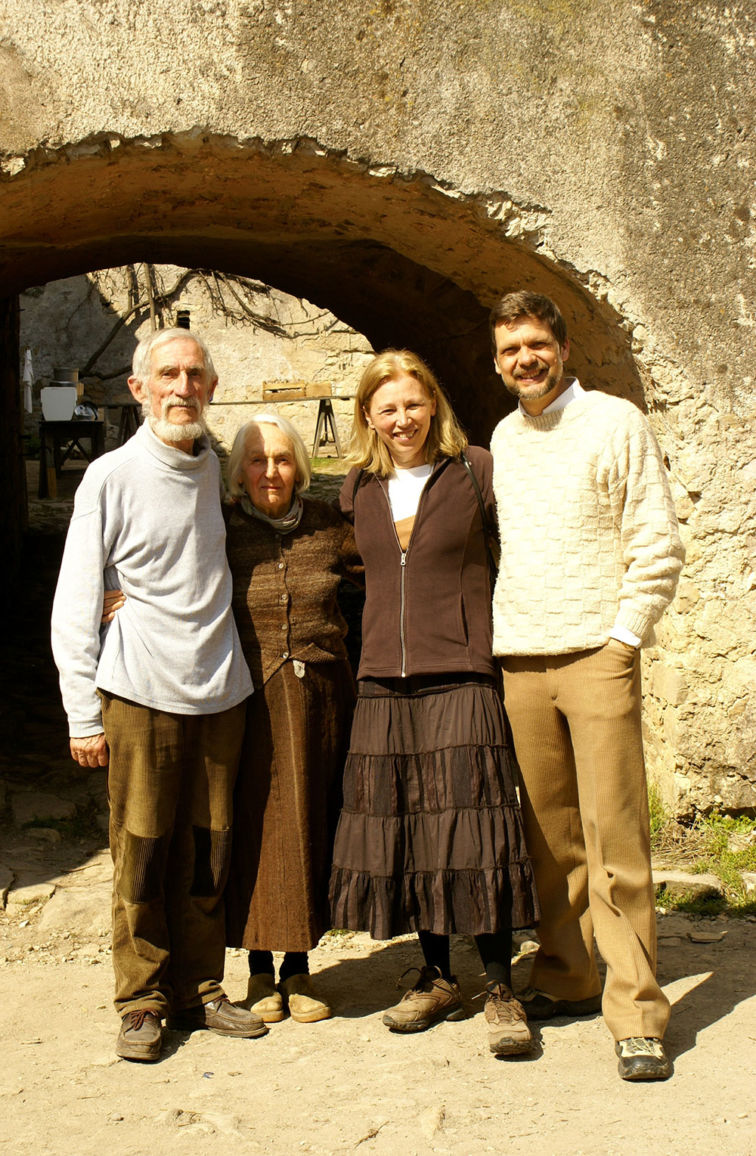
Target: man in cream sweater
x: 158, y: 696
x: 590, y: 557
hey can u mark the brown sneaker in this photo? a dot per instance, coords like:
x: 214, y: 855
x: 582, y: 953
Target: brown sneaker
x: 431, y: 999
x: 508, y: 1031
x: 140, y: 1037
x: 219, y: 1016
x: 643, y: 1058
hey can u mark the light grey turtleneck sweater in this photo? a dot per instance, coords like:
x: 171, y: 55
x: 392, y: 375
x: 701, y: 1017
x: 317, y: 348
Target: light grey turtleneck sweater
x: 147, y: 519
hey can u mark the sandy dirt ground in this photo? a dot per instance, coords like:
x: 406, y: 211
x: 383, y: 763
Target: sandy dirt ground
x: 348, y: 1084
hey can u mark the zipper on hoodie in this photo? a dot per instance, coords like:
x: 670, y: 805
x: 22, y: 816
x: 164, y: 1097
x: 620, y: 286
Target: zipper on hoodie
x: 403, y: 564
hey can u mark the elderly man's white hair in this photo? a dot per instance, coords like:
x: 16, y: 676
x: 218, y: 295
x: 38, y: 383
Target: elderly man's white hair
x: 140, y: 366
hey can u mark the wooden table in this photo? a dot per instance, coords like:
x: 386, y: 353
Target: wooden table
x: 57, y: 441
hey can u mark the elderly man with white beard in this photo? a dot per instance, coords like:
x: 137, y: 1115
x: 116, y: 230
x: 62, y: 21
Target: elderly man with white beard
x: 158, y: 695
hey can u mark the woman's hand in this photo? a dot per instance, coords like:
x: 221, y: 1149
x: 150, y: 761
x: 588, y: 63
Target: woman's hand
x: 112, y: 600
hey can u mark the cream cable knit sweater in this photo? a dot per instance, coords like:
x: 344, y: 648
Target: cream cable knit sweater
x: 589, y: 536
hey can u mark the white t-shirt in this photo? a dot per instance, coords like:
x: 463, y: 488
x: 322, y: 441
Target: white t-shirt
x: 405, y: 488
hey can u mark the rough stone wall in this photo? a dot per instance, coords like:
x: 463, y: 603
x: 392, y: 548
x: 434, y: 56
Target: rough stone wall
x: 402, y: 162
x: 64, y: 323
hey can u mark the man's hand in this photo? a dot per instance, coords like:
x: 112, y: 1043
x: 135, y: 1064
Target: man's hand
x: 618, y: 644
x: 112, y: 600
x: 91, y: 751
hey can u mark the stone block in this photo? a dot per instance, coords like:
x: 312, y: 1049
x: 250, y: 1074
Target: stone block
x: 680, y: 883
x: 33, y: 806
x: 687, y: 596
x: 672, y: 731
x: 31, y: 894
x: 684, y: 508
x: 739, y: 678
x: 46, y: 834
x: 668, y: 683
x: 82, y: 909
x: 749, y: 882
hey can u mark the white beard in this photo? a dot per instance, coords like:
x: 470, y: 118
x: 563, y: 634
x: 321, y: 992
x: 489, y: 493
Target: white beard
x: 167, y: 431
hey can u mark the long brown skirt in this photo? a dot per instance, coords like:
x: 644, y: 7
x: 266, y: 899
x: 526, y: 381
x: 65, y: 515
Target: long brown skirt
x: 430, y: 837
x: 286, y: 806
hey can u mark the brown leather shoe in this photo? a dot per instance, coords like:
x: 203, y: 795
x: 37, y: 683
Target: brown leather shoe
x: 431, y: 999
x: 219, y: 1016
x: 643, y: 1058
x: 508, y: 1031
x: 140, y: 1037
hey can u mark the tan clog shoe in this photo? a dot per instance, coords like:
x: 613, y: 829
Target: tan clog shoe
x: 264, y: 999
x: 304, y: 1005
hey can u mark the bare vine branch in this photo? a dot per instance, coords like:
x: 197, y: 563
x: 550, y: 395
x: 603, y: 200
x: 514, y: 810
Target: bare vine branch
x: 87, y: 370
x: 159, y: 299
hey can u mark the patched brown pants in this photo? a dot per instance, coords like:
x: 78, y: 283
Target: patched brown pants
x: 577, y: 733
x: 170, y: 787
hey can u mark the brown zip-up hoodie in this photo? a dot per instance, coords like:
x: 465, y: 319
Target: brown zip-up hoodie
x: 427, y: 611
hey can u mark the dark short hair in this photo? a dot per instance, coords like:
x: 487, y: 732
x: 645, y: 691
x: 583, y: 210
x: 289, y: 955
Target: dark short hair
x: 525, y: 304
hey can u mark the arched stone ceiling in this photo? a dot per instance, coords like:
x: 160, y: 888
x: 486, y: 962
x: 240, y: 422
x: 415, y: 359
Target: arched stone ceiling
x: 399, y: 257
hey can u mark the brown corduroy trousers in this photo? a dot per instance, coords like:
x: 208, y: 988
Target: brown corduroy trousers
x: 170, y: 787
x: 577, y: 732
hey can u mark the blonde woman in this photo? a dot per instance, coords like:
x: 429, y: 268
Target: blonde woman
x: 430, y: 835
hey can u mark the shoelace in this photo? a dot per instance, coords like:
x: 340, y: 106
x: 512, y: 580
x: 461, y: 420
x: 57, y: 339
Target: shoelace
x: 641, y: 1046
x: 499, y: 992
x: 426, y: 974
x: 138, y: 1017
x: 507, y: 1007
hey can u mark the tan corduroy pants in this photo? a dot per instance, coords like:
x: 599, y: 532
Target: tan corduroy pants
x: 170, y: 787
x: 577, y: 733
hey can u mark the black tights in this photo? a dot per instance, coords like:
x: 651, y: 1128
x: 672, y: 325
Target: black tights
x: 294, y: 963
x: 495, y: 949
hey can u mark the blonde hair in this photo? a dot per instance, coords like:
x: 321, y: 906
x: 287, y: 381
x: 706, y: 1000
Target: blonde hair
x: 445, y: 438
x: 236, y: 457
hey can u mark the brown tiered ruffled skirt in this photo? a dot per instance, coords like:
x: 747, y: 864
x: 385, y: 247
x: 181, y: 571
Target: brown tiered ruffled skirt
x: 430, y: 836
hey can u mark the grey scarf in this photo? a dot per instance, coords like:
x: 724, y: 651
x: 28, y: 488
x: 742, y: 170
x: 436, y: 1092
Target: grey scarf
x: 283, y: 525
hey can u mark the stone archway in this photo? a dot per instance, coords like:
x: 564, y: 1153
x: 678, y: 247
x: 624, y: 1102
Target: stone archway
x: 397, y: 255
x: 400, y: 257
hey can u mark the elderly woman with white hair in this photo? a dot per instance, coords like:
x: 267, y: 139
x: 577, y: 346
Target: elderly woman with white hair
x: 287, y: 556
